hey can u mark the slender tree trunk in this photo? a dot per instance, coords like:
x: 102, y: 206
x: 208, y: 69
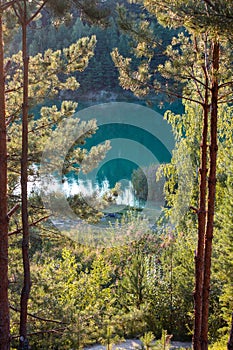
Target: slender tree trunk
x: 230, y: 340
x: 199, y: 258
x: 4, y: 306
x: 24, y: 179
x: 211, y: 195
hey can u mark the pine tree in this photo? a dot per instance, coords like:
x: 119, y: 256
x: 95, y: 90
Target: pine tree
x: 22, y: 81
x: 203, y: 72
x: 4, y: 305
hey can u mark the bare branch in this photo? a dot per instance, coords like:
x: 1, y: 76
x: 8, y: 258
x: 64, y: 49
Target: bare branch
x: 11, y: 119
x: 229, y: 83
x: 38, y: 317
x: 42, y: 127
x: 30, y: 225
x: 7, y: 5
x: 13, y: 210
x: 198, y: 89
x: 194, y: 209
x: 172, y: 93
x: 18, y: 13
x: 36, y: 13
x: 221, y: 97
x: 55, y: 330
x: 226, y: 101
x: 14, y: 90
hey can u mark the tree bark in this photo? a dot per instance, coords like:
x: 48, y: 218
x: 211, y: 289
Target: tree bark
x: 199, y: 258
x: 24, y: 191
x: 4, y: 304
x: 211, y: 195
x: 230, y: 340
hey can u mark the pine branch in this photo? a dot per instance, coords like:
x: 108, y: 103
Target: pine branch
x: 226, y: 101
x: 172, y: 93
x: 11, y: 119
x: 208, y: 3
x: 229, y: 83
x: 55, y: 330
x: 38, y: 317
x: 48, y: 230
x: 42, y: 127
x: 224, y: 96
x: 15, y: 89
x: 30, y: 225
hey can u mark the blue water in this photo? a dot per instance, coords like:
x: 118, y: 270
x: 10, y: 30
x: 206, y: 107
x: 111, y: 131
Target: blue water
x: 120, y: 168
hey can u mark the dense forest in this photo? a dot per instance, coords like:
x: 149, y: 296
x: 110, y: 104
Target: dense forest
x: 121, y: 275
x: 100, y: 78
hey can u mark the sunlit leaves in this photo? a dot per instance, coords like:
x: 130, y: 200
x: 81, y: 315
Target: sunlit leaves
x: 48, y: 73
x: 132, y: 80
x: 214, y: 16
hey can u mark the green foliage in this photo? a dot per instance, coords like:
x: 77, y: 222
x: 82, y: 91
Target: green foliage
x: 143, y: 284
x: 181, y: 186
x: 79, y: 298
x: 145, y: 185
x: 180, y: 197
x: 100, y: 74
x: 50, y: 74
x: 134, y: 282
x: 224, y: 225
x: 145, y: 75
x: 220, y: 344
x: 147, y: 340
x: 164, y: 342
x: 211, y: 17
x: 181, y: 194
x: 102, y: 295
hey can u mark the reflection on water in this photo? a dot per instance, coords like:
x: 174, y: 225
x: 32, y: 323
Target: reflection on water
x: 87, y: 188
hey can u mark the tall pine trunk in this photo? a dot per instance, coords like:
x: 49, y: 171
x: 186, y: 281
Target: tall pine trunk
x: 24, y: 191
x: 211, y: 194
x: 199, y: 258
x: 4, y: 305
